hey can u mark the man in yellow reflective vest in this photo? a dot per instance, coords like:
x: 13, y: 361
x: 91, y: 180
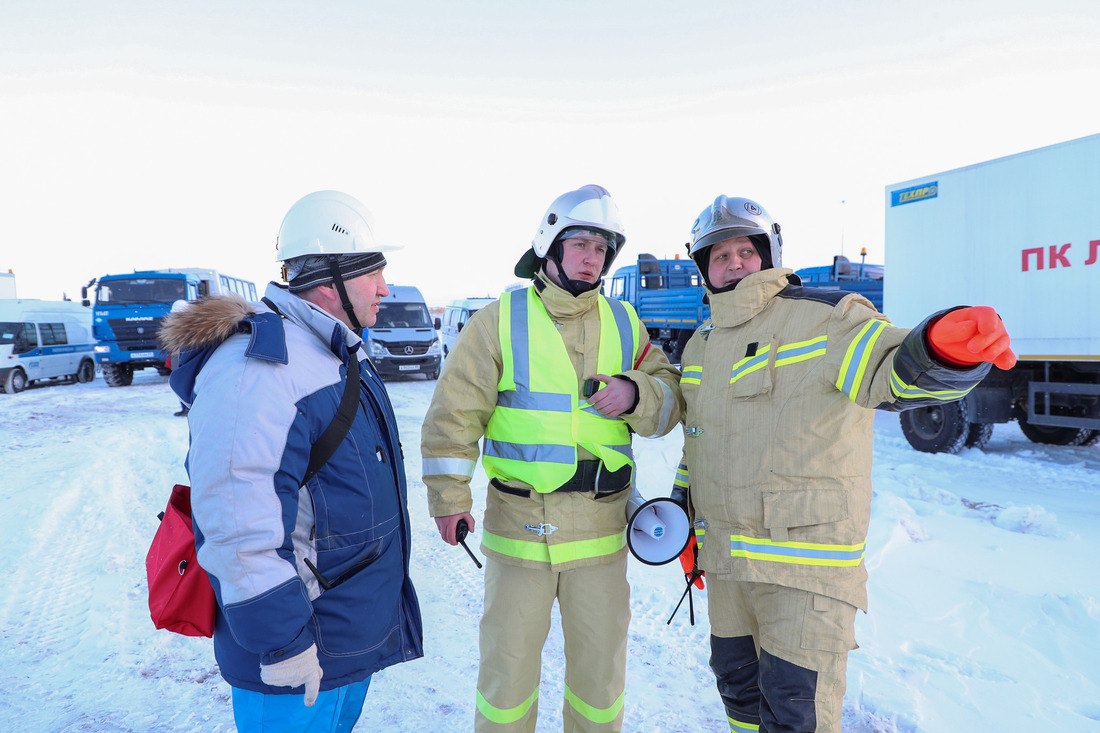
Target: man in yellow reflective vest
x: 777, y: 459
x: 560, y: 464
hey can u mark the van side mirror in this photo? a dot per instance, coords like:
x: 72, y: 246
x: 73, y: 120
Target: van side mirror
x: 436, y: 323
x: 459, y: 325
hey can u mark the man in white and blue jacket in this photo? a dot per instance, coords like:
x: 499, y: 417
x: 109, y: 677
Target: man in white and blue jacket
x: 312, y: 581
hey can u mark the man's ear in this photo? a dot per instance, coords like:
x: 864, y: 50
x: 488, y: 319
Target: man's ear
x: 329, y: 293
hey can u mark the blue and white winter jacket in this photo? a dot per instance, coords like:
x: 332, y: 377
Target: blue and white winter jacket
x: 262, y: 390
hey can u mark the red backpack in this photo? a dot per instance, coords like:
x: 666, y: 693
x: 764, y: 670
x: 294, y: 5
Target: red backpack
x: 181, y: 598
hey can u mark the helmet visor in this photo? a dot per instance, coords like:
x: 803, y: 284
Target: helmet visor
x: 720, y: 235
x: 581, y: 232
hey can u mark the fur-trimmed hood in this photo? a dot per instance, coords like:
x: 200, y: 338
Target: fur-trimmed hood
x: 192, y: 334
x: 204, y: 323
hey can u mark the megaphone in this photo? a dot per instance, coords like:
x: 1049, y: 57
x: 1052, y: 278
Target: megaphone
x: 658, y: 530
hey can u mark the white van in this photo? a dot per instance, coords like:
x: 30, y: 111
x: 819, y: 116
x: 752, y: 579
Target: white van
x: 44, y: 339
x: 403, y: 339
x: 455, y: 316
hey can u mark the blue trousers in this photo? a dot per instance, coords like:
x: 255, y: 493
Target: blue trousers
x: 336, y: 711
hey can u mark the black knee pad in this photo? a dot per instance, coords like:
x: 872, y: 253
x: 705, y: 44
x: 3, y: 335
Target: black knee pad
x: 787, y: 696
x: 735, y: 667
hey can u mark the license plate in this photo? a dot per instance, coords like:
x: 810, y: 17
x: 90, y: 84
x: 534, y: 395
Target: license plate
x: 142, y: 354
x: 408, y: 367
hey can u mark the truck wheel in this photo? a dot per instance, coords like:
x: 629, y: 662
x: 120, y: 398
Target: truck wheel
x: 978, y: 435
x: 1092, y: 439
x: 118, y: 375
x: 1053, y: 435
x: 936, y: 429
x: 17, y: 381
x: 86, y: 372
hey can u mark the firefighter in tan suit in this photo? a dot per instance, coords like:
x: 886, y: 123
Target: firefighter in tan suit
x: 777, y: 459
x: 560, y: 465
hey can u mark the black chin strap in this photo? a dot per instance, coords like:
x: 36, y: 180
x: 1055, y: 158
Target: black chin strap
x: 573, y: 287
x: 348, y: 308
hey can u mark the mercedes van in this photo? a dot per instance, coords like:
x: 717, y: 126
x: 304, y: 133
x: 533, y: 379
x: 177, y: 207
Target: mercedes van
x: 403, y: 339
x: 43, y: 339
x: 455, y: 316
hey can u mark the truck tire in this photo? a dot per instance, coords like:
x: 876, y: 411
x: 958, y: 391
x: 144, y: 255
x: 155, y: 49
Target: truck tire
x: 86, y: 372
x: 118, y: 375
x: 937, y: 429
x: 17, y: 381
x: 978, y: 435
x: 1053, y: 435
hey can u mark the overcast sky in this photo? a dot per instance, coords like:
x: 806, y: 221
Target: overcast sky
x: 150, y: 134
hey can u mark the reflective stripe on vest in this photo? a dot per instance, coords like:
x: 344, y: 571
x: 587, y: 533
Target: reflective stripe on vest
x: 796, y: 553
x: 539, y: 420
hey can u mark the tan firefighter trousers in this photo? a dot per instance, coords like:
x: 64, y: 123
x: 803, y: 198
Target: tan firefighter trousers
x: 805, y: 630
x: 595, y: 613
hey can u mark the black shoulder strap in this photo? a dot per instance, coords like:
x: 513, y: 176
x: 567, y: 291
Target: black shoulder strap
x: 338, y: 429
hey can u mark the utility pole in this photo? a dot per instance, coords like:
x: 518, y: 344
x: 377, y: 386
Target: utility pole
x: 842, y: 226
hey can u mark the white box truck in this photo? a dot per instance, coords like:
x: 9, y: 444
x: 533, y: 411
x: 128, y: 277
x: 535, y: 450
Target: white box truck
x: 44, y: 339
x: 1021, y: 234
x: 7, y: 285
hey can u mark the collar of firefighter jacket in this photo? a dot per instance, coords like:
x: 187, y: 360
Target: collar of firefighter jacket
x: 561, y: 304
x: 751, y: 295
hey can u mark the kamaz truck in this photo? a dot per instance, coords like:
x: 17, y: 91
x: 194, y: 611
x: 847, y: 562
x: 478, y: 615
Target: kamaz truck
x: 1020, y: 234
x: 129, y: 310
x: 668, y: 294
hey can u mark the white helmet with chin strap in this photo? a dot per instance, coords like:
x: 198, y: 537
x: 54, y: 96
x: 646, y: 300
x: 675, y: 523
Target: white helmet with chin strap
x: 589, y: 207
x: 327, y: 237
x: 327, y: 222
x: 729, y: 217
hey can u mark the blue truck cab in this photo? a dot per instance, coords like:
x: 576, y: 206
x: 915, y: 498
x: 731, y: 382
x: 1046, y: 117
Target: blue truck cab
x: 130, y: 308
x: 668, y: 296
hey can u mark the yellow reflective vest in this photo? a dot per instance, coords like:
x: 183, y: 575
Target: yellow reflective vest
x: 540, y: 418
x: 577, y: 529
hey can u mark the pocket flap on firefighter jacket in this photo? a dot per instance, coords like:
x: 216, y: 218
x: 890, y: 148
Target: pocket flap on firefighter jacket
x: 804, y: 508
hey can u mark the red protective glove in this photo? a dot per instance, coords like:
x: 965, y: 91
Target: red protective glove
x: 970, y: 336
x: 688, y: 562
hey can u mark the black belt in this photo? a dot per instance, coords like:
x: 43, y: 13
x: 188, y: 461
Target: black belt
x: 590, y: 476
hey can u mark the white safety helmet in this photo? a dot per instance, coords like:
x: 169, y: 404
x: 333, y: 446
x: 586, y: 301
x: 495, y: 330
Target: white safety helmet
x: 327, y: 222
x: 589, y: 207
x: 729, y: 217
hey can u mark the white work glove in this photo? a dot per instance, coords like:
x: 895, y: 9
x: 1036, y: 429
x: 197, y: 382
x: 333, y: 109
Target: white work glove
x: 301, y: 669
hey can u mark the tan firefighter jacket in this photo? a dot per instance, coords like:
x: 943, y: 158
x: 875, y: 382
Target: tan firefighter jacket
x: 777, y: 437
x: 465, y: 397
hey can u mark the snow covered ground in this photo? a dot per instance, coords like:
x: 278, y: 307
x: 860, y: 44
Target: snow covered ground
x: 984, y: 592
